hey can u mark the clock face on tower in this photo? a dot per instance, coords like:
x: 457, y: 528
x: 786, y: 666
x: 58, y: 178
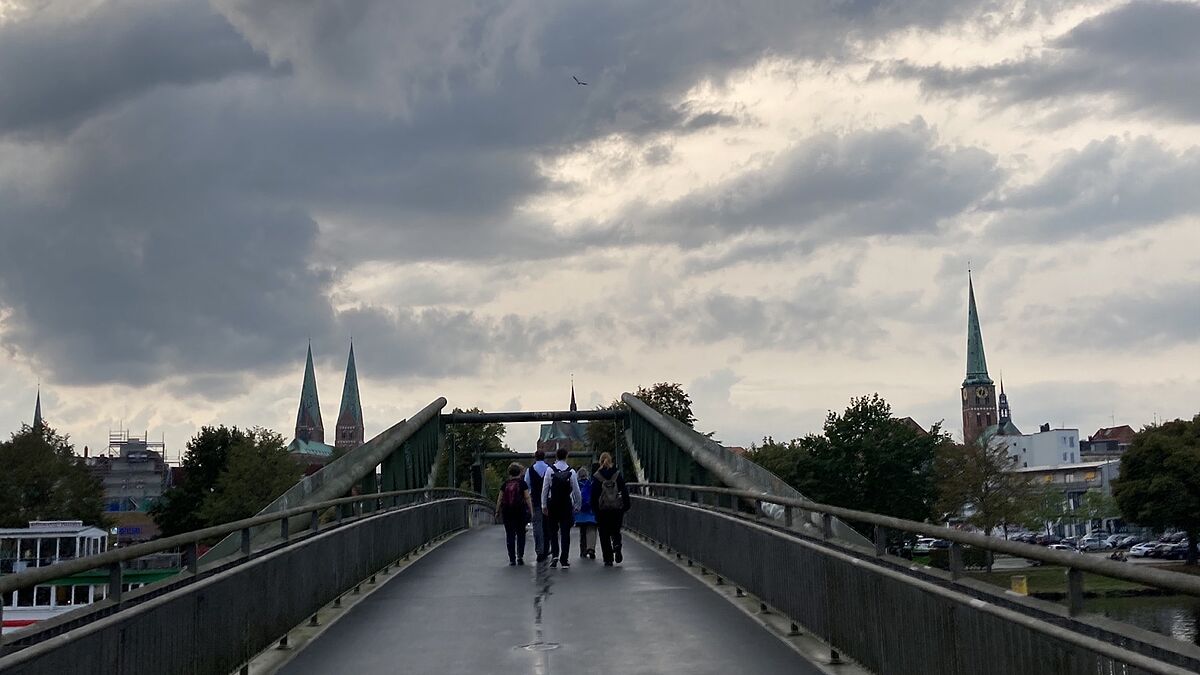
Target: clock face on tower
x: 981, y: 392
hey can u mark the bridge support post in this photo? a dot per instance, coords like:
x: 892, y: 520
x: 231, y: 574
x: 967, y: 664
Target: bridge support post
x: 193, y: 558
x: 283, y: 529
x: 788, y: 516
x: 246, y: 542
x: 880, y: 540
x: 114, y: 582
x: 314, y: 522
x: 1074, y: 591
x: 826, y: 526
x: 956, y: 560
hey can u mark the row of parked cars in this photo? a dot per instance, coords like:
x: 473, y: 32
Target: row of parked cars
x: 1171, y: 546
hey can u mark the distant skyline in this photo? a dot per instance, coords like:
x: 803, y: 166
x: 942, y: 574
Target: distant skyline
x: 774, y: 206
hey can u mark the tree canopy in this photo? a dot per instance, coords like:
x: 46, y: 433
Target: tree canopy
x: 977, y: 479
x: 1159, y: 485
x: 465, y: 441
x: 228, y: 474
x: 42, y: 479
x: 670, y: 399
x: 865, y: 459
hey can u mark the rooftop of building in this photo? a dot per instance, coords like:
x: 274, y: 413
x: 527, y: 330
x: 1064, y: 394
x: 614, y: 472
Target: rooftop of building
x: 1066, y: 467
x: 1121, y: 434
x: 302, y: 447
x: 58, y: 528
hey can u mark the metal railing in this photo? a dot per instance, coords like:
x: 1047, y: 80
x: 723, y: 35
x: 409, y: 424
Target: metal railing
x: 880, y: 609
x: 114, y: 559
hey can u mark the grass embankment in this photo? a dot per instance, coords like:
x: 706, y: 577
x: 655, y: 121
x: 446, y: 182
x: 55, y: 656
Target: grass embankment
x: 1051, y: 582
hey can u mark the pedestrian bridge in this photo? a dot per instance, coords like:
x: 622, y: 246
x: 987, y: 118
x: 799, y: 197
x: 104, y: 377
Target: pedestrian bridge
x: 729, y: 570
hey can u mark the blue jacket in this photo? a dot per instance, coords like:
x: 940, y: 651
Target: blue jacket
x: 585, y: 515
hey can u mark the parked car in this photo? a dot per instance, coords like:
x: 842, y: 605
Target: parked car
x: 1129, y: 541
x: 922, y: 545
x: 1047, y: 539
x: 1062, y: 547
x: 1161, y: 549
x: 1114, y: 540
x: 1143, y: 549
x: 1092, y: 543
x: 1176, y: 551
x: 939, y: 544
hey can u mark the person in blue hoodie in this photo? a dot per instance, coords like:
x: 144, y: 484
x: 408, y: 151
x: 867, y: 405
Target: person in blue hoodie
x: 533, y: 478
x: 585, y: 520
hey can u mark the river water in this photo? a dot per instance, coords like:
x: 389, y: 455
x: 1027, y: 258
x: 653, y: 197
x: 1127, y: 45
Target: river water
x: 1177, y: 616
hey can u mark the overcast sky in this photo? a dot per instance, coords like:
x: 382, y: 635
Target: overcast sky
x: 774, y: 203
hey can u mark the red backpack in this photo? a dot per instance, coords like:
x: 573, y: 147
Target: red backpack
x: 510, y: 498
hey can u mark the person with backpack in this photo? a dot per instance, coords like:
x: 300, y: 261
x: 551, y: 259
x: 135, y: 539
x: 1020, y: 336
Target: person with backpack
x: 610, y: 501
x: 514, y: 507
x: 560, y: 502
x: 585, y: 520
x: 533, y: 478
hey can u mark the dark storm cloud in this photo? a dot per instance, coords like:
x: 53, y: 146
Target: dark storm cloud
x: 56, y: 73
x: 1107, y: 187
x: 1145, y: 54
x: 195, y: 203
x: 880, y: 182
x: 438, y: 343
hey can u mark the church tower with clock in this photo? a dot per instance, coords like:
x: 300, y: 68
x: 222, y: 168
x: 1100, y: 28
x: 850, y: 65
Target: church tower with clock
x: 979, y: 409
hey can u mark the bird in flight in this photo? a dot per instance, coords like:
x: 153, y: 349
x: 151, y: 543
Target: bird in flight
x: 582, y: 84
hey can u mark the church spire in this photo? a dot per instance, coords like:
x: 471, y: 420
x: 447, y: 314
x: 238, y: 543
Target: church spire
x: 976, y: 361
x: 350, y: 431
x: 37, y: 410
x: 573, y: 406
x: 308, y: 418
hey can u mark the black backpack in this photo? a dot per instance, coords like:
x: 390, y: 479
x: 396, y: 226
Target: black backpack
x: 560, y: 490
x: 535, y: 487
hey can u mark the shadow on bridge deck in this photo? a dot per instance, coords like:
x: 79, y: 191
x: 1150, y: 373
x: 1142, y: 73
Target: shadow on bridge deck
x: 462, y: 609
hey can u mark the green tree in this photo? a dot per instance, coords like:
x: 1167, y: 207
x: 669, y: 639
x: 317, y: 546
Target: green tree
x: 870, y: 461
x: 1159, y: 485
x: 977, y: 480
x: 1042, y: 510
x: 669, y: 399
x: 42, y: 479
x: 608, y: 436
x: 1096, y: 505
x: 464, y: 442
x: 781, y: 459
x: 206, y: 457
x: 258, y: 469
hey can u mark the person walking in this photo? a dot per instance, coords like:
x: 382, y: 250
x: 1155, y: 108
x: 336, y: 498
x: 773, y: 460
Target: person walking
x: 560, y: 502
x: 585, y: 520
x: 610, y: 501
x: 533, y: 478
x: 515, y: 508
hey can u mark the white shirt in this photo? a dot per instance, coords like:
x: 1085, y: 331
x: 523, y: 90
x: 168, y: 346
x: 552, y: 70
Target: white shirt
x: 548, y: 477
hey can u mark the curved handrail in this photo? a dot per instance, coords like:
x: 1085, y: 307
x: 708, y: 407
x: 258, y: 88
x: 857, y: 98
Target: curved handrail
x: 10, y: 583
x: 1175, y: 581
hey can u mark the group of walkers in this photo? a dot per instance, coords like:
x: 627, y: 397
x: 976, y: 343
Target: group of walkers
x: 555, y: 498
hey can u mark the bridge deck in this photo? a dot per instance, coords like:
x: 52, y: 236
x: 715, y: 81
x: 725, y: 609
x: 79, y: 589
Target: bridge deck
x: 462, y: 609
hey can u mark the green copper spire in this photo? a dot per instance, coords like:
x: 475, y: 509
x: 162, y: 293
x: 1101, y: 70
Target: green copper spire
x: 976, y: 362
x: 350, y: 430
x: 308, y: 418
x: 37, y: 410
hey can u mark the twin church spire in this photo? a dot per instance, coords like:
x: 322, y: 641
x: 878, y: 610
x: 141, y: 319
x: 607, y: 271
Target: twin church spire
x: 349, y: 431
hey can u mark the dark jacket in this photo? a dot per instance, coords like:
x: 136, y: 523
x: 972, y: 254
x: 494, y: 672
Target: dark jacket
x: 607, y: 474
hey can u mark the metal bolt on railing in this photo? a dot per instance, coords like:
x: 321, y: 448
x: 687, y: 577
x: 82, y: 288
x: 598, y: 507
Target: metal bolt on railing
x: 834, y: 657
x: 738, y: 592
x: 763, y: 609
x: 357, y: 589
x: 283, y: 641
x: 313, y: 622
x: 795, y: 630
x: 720, y: 581
x: 372, y: 579
x: 337, y: 602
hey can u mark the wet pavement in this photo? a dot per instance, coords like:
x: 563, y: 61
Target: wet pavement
x: 462, y: 609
